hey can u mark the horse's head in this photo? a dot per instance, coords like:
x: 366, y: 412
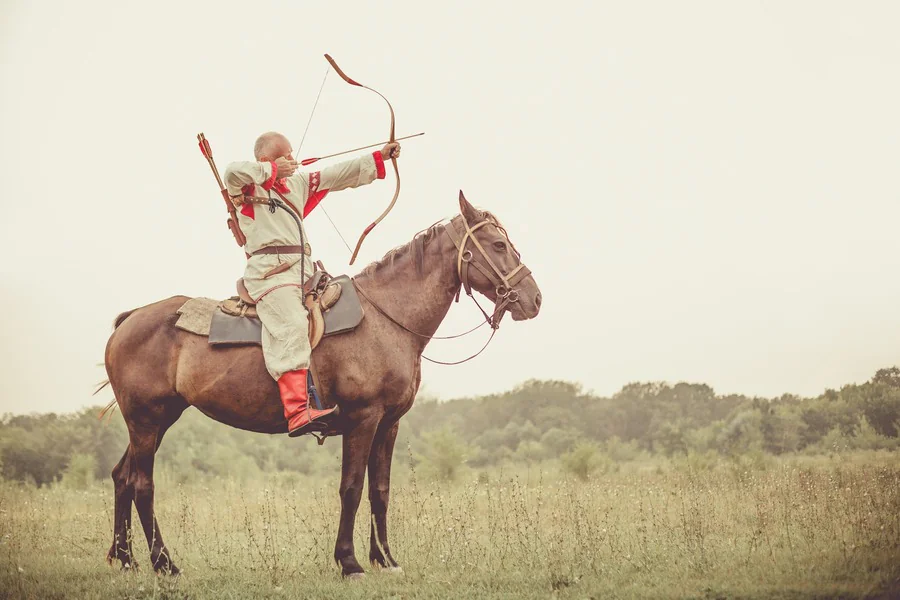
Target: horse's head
x: 488, y: 262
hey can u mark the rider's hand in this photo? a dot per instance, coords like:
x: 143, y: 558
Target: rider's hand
x: 285, y: 166
x: 390, y: 150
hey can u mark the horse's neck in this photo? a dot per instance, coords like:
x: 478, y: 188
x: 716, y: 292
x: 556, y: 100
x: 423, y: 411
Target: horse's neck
x: 418, y: 301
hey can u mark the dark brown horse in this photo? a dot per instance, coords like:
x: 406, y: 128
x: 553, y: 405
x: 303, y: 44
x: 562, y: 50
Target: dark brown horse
x: 156, y: 371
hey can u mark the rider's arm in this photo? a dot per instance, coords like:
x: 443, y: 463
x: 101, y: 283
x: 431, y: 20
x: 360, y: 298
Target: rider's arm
x: 239, y: 174
x: 348, y: 174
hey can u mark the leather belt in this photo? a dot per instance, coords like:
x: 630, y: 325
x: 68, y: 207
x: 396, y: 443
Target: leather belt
x: 305, y: 249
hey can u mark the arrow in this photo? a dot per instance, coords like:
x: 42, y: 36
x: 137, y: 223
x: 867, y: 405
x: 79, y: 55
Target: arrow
x: 309, y: 161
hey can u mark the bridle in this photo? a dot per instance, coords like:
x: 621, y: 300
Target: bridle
x: 504, y: 283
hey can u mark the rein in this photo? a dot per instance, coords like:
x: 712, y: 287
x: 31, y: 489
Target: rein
x: 503, y: 284
x: 430, y: 337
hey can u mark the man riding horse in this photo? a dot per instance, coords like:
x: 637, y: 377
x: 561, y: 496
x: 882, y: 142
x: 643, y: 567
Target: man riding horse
x: 279, y: 256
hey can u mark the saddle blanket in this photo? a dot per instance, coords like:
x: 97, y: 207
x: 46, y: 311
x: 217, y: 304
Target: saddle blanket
x: 195, y: 315
x: 203, y: 316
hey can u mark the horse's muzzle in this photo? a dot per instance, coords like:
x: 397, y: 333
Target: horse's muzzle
x: 525, y: 308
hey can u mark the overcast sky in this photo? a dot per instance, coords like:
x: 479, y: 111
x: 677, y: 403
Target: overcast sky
x: 704, y: 191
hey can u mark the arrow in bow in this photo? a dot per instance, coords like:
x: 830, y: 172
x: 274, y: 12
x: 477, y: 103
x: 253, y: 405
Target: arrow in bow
x: 308, y: 161
x: 368, y: 229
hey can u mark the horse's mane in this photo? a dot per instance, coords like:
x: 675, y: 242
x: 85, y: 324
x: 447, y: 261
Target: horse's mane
x: 402, y: 250
x: 428, y: 235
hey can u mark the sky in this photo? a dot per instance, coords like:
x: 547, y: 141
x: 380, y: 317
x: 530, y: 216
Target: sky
x: 704, y: 191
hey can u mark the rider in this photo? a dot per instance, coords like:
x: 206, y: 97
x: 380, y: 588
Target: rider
x: 277, y: 252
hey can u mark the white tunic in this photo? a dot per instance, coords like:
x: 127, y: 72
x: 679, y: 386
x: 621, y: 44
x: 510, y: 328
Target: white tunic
x: 279, y: 300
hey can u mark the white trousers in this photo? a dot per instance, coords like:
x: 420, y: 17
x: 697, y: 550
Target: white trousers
x: 285, y: 334
x: 285, y: 331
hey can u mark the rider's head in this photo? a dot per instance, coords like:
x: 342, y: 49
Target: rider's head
x: 271, y: 146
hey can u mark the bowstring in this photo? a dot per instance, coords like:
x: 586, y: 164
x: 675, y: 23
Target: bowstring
x: 316, y: 104
x: 303, y: 139
x: 335, y: 228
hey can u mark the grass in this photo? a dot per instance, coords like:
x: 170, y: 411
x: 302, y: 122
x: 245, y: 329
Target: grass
x: 800, y: 528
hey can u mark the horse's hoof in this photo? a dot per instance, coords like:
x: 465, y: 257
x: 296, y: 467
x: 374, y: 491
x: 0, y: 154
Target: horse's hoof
x: 128, y: 567
x: 356, y: 576
x: 124, y: 564
x: 393, y: 570
x: 167, y: 568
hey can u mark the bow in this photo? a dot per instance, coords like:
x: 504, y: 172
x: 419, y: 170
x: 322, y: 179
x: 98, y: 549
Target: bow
x: 393, y: 159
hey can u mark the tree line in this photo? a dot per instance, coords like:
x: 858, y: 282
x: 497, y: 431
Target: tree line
x: 536, y: 421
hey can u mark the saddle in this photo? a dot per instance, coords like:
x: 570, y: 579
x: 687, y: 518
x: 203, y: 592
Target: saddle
x: 332, y: 304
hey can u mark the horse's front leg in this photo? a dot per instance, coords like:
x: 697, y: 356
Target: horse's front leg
x: 379, y: 494
x: 357, y: 445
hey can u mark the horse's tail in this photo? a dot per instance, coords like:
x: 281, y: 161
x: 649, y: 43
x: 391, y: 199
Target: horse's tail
x: 100, y: 386
x: 120, y: 318
x: 112, y: 403
x: 109, y: 408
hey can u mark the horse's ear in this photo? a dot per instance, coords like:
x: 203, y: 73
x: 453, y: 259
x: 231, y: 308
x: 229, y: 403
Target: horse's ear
x: 468, y: 211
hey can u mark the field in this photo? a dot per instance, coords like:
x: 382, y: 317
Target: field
x: 790, y: 529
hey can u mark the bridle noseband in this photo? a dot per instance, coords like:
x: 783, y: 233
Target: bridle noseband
x: 504, y: 283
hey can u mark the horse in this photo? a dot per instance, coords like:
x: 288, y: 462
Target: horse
x: 371, y: 373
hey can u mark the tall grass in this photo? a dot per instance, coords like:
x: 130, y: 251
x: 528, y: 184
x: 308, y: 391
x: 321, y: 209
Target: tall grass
x: 798, y: 528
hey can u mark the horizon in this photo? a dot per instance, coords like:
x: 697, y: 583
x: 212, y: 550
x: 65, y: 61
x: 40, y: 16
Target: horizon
x: 425, y: 396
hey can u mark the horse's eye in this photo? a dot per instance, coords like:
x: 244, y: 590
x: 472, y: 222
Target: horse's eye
x: 500, y: 246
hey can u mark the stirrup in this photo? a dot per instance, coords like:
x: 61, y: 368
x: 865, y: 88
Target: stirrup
x: 320, y: 425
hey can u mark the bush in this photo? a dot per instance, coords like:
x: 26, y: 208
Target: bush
x: 585, y: 460
x: 444, y: 455
x: 79, y: 473
x: 560, y: 440
x: 620, y: 451
x: 696, y: 461
x: 866, y: 437
x: 530, y: 451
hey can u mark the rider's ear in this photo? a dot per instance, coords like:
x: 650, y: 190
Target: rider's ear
x: 468, y: 211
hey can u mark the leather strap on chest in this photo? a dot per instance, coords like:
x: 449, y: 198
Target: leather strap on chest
x: 238, y: 200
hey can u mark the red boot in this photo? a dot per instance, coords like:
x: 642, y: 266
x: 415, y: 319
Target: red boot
x: 302, y: 418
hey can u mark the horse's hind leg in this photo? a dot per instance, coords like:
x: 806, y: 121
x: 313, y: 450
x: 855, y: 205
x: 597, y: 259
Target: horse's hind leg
x: 121, y: 546
x: 146, y: 435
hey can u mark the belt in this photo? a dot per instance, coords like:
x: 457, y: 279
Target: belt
x: 305, y: 249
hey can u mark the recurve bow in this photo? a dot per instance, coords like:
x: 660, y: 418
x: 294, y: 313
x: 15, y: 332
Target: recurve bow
x: 393, y: 159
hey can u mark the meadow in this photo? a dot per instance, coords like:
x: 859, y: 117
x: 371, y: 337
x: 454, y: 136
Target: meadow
x: 792, y: 527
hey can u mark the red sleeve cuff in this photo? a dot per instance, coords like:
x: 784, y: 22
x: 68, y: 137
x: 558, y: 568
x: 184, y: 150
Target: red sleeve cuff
x: 379, y: 164
x: 271, y: 180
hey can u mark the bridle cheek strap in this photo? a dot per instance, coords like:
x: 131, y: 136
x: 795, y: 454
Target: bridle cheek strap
x: 504, y: 284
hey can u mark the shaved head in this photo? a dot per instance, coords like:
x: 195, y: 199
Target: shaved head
x: 271, y: 145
